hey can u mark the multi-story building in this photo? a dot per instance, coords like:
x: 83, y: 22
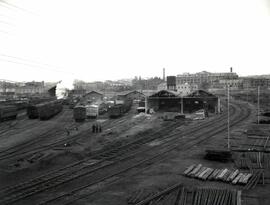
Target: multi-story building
x: 204, y: 77
x: 249, y: 82
x: 186, y: 89
x: 233, y: 83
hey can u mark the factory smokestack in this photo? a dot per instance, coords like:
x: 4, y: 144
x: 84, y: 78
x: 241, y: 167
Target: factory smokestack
x: 164, y: 74
x: 231, y: 69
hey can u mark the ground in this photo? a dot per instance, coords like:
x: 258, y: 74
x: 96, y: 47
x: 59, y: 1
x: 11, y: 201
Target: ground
x: 35, y: 160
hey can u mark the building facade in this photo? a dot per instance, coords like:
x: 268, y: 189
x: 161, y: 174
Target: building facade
x: 185, y: 89
x: 204, y: 77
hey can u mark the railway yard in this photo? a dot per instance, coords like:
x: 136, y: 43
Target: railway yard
x: 136, y: 159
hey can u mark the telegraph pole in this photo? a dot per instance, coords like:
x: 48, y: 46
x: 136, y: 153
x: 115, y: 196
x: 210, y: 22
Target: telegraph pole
x: 258, y: 106
x: 229, y: 146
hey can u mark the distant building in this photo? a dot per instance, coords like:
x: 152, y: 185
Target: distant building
x: 92, y: 97
x: 131, y: 95
x: 233, y: 83
x: 185, y: 89
x: 162, y: 86
x: 87, y: 86
x: 26, y: 89
x: 171, y: 83
x: 249, y: 82
x: 204, y: 77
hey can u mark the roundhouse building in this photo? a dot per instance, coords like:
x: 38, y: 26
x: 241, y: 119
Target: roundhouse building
x: 170, y: 101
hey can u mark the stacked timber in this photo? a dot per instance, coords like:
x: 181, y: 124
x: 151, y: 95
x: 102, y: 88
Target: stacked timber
x: 225, y: 175
x: 181, y: 195
x: 254, y: 179
x: 218, y: 155
x: 253, y: 160
x: 139, y: 195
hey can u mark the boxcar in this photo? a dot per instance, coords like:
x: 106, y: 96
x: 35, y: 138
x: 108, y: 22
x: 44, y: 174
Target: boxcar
x: 79, y: 113
x: 32, y: 111
x: 116, y: 111
x: 92, y: 111
x: 8, y: 112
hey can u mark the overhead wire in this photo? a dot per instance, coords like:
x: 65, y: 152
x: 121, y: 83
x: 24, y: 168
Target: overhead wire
x: 35, y: 66
x: 6, y: 23
x: 9, y: 5
x: 31, y: 61
x: 4, y: 32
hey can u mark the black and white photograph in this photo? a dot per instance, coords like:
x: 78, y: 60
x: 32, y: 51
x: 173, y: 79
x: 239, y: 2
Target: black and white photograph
x: 124, y: 102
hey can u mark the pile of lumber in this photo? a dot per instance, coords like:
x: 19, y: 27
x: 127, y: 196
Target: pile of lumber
x: 255, y: 179
x: 182, y: 195
x: 252, y: 160
x: 140, y: 195
x: 210, y: 196
x: 218, y: 155
x: 205, y: 173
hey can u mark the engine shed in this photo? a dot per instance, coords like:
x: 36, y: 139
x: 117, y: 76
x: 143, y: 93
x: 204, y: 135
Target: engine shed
x: 91, y: 97
x: 130, y: 95
x: 201, y: 99
x: 171, y: 101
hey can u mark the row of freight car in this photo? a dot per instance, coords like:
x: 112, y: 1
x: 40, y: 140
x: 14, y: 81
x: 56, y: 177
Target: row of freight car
x: 44, y: 111
x: 81, y: 112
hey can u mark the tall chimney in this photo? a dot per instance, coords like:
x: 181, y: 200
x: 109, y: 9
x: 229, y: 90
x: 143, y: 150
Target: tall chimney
x: 231, y: 69
x: 163, y: 74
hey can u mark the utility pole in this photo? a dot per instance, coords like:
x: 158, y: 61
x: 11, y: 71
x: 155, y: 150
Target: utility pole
x: 229, y: 146
x: 182, y: 105
x: 258, y: 104
x: 146, y: 100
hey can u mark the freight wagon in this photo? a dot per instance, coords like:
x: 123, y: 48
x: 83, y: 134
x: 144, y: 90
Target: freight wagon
x: 44, y: 111
x: 118, y: 110
x: 79, y: 113
x: 32, y: 111
x: 49, y: 109
x: 91, y: 111
x: 8, y: 112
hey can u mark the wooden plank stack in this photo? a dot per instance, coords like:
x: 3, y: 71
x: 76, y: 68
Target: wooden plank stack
x: 182, y: 195
x: 225, y: 175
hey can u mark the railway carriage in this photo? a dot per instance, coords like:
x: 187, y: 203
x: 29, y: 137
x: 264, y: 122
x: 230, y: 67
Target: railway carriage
x: 8, y: 112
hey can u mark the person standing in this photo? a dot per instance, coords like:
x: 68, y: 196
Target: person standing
x: 93, y: 128
x: 99, y: 128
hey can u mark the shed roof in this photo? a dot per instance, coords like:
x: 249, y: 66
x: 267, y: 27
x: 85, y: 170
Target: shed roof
x: 93, y: 91
x: 124, y: 93
x: 165, y: 93
x: 200, y: 93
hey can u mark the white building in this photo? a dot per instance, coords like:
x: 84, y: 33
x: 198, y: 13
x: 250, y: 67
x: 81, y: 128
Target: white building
x: 162, y: 86
x: 185, y: 89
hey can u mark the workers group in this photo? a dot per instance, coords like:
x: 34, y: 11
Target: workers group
x: 96, y: 128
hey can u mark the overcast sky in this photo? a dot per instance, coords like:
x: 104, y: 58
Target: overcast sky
x: 110, y: 39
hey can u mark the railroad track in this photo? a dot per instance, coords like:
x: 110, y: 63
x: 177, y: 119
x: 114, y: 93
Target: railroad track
x: 142, y: 161
x: 27, y: 146
x: 19, y: 150
x: 68, y: 174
